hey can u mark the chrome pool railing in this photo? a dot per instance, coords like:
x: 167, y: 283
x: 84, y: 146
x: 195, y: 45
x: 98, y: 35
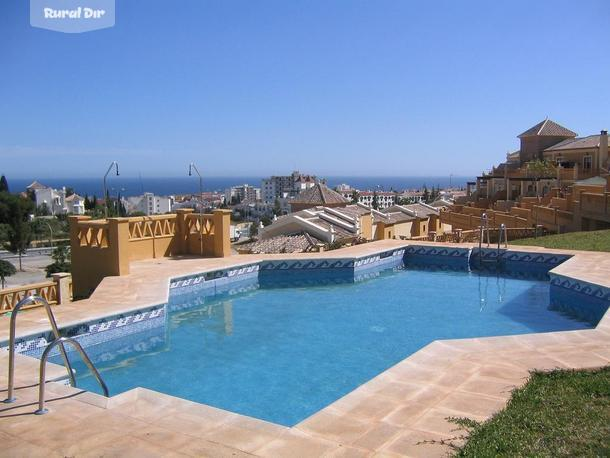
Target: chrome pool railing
x: 11, y: 356
x: 43, y: 365
x: 502, y: 232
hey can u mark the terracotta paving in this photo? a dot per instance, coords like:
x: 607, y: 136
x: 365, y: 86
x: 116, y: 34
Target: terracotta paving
x: 401, y: 412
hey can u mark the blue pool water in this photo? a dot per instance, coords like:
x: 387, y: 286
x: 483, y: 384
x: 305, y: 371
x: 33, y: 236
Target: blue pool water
x: 281, y: 354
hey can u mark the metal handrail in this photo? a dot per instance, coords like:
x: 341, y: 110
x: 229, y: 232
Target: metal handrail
x: 501, y: 231
x: 43, y: 365
x: 11, y: 356
x: 484, y: 229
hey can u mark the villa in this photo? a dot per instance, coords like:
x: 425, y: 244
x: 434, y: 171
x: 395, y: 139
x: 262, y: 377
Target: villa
x: 569, y: 193
x: 56, y: 201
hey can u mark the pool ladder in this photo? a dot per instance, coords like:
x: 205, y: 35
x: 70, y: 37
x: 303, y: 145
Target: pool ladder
x: 58, y: 341
x: 484, y: 233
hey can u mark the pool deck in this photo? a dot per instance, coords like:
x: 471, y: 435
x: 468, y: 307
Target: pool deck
x: 401, y: 412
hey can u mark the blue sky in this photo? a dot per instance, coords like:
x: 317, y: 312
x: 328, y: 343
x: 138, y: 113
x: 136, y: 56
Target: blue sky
x: 329, y: 87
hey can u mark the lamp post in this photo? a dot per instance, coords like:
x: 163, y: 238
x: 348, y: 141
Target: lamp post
x: 51, y: 231
x: 192, y: 167
x: 114, y: 164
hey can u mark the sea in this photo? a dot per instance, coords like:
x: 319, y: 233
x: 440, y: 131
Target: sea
x: 133, y: 186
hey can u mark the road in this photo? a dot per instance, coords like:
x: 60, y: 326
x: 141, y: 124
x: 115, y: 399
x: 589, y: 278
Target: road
x: 33, y: 265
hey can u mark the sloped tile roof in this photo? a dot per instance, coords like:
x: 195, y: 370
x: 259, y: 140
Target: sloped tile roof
x: 298, y: 243
x: 71, y: 197
x: 547, y: 128
x: 319, y: 195
x: 592, y: 141
x: 36, y: 185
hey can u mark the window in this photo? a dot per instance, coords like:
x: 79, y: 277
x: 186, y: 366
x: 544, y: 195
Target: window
x: 587, y: 162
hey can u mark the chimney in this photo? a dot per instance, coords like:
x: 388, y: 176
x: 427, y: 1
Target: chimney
x: 603, y: 149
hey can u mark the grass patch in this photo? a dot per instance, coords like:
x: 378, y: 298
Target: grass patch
x: 558, y: 413
x: 587, y: 241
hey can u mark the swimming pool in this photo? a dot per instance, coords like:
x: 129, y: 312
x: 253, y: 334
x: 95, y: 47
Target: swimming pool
x: 283, y: 345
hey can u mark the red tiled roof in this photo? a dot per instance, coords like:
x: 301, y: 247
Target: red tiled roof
x: 592, y: 141
x: 298, y: 243
x: 319, y: 195
x: 547, y: 128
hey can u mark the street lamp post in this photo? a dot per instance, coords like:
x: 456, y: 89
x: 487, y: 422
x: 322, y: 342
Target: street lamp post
x: 51, y: 231
x: 114, y: 164
x: 192, y: 167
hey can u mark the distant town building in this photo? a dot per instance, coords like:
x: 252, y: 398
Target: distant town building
x: 236, y: 194
x: 411, y: 197
x: 75, y: 204
x: 210, y: 200
x: 55, y: 200
x: 253, y: 210
x: 318, y: 195
x: 385, y: 199
x: 286, y: 187
x: 149, y: 204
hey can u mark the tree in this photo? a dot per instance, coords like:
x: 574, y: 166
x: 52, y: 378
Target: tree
x: 277, y: 208
x: 541, y: 168
x: 426, y: 194
x: 89, y: 204
x: 355, y: 197
x: 6, y: 270
x: 61, y: 258
x: 43, y: 210
x: 3, y: 184
x: 18, y: 214
x: 375, y: 203
x: 69, y: 191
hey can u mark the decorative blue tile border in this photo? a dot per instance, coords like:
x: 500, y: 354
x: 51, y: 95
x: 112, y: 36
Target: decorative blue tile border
x: 548, y: 259
x: 584, y: 300
x: 440, y: 257
x: 306, y: 264
x: 95, y: 332
x: 384, y: 260
x: 213, y: 280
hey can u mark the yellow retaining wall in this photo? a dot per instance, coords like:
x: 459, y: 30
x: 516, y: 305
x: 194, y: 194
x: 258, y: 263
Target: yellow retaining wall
x: 102, y: 248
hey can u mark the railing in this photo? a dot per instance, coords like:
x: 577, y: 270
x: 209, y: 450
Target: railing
x: 502, y: 232
x: 43, y: 366
x: 10, y: 297
x: 147, y: 227
x: 200, y: 224
x: 92, y: 234
x: 105, y: 248
x: 12, y: 330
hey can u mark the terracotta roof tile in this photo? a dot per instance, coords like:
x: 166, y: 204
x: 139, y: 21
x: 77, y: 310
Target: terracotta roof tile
x: 319, y: 195
x: 592, y: 141
x: 547, y: 128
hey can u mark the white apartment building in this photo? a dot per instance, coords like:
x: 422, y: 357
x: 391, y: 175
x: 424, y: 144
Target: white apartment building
x: 149, y: 204
x: 75, y: 204
x: 242, y: 193
x: 385, y: 199
x: 286, y: 187
x: 412, y: 197
x: 56, y: 200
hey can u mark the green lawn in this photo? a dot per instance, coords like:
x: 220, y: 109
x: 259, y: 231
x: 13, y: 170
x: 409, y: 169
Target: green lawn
x: 559, y: 413
x: 588, y: 241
